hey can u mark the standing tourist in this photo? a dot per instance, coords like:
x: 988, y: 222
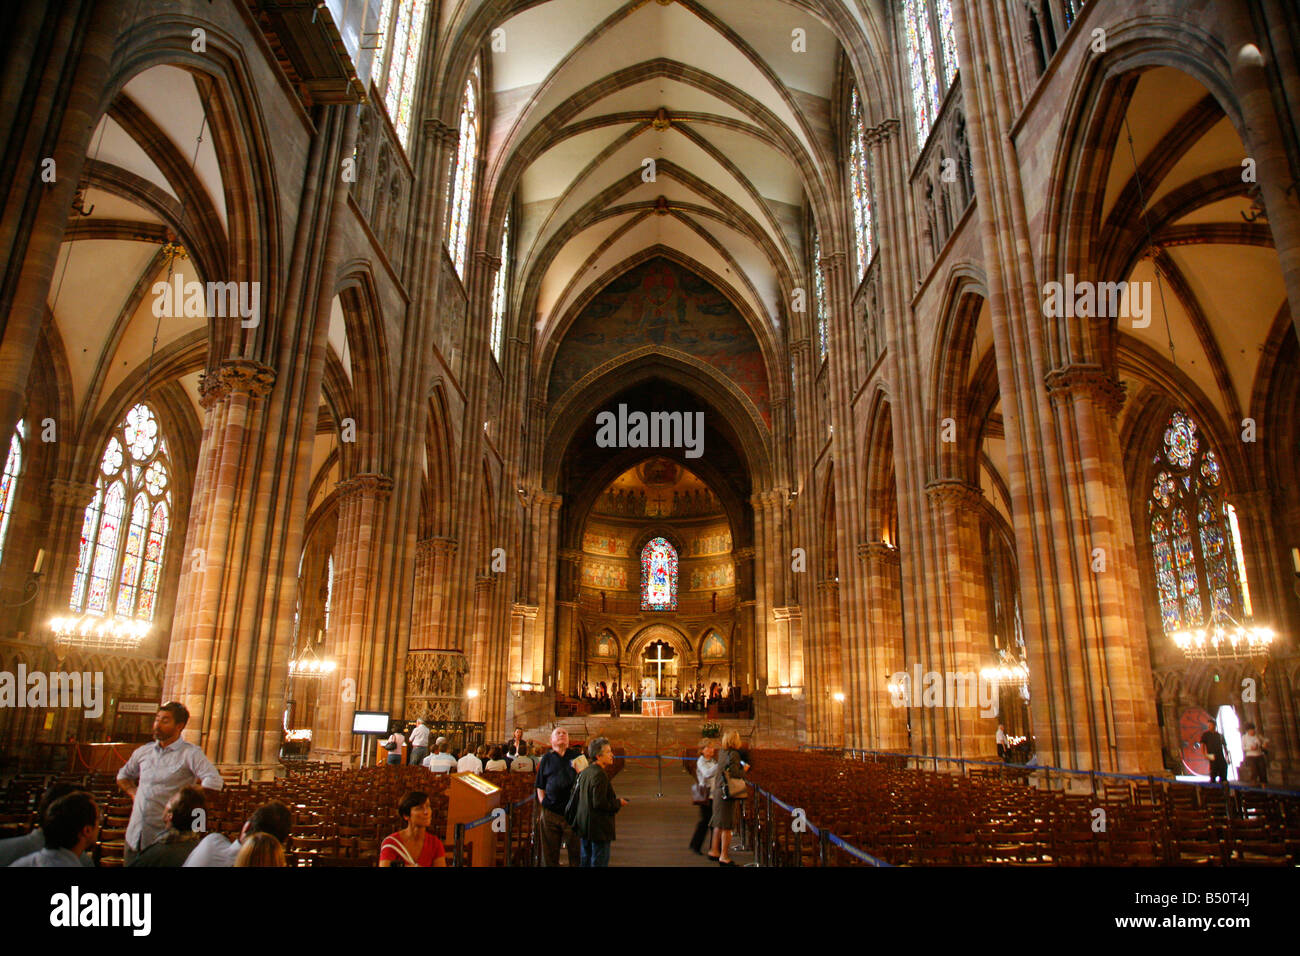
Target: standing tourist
x: 593, y: 817
x: 555, y: 779
x: 702, y: 793
x: 156, y: 771
x: 1212, y: 743
x: 419, y: 743
x: 728, y: 787
x: 1255, y: 762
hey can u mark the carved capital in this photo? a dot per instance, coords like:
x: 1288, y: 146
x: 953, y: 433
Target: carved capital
x: 570, y: 555
x: 376, y: 486
x: 828, y: 585
x: 487, y: 259
x: 953, y: 491
x: 435, y: 546
x: 1090, y: 380
x: 484, y: 582
x: 832, y: 261
x: 744, y: 554
x: 799, y: 347
x: 75, y: 493
x: 440, y: 133
x: 237, y: 375
x: 878, y: 550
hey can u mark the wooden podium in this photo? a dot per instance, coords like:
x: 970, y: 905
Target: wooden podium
x: 469, y: 798
x: 656, y: 708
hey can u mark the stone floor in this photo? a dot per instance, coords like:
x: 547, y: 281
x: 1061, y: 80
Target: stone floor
x: 653, y: 830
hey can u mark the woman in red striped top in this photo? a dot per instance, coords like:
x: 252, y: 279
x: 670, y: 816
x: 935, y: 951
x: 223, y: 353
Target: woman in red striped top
x: 413, y: 845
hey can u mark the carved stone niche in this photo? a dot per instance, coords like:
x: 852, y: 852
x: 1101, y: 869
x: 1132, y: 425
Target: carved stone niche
x: 435, y: 684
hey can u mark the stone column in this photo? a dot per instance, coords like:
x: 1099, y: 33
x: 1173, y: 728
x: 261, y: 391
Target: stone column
x: 826, y: 714
x: 433, y: 570
x: 486, y: 674
x: 963, y: 725
x: 880, y: 722
x: 362, y: 501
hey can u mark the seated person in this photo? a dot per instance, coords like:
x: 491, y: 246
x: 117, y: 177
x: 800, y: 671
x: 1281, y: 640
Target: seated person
x: 70, y: 827
x: 261, y: 849
x: 414, y: 844
x: 523, y: 762
x: 186, y: 821
x: 272, y: 818
x: 440, y: 761
x: 469, y: 763
x: 497, y: 761
x: 17, y: 847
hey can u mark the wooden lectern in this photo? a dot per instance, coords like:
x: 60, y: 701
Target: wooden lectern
x: 469, y: 798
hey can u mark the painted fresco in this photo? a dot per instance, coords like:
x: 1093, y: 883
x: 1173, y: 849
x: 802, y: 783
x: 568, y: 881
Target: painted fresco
x: 660, y: 303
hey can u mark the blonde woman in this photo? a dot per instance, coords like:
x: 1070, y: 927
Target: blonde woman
x: 261, y: 849
x: 730, y: 768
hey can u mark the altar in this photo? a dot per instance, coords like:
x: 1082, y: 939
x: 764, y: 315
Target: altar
x: 656, y: 708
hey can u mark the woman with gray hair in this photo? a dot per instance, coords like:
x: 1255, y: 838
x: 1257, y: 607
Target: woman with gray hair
x: 593, y: 804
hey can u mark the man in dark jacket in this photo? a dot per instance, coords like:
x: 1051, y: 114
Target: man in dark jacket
x: 597, y: 803
x: 555, y: 781
x: 1212, y: 744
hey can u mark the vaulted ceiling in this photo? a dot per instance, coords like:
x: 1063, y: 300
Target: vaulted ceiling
x: 735, y: 119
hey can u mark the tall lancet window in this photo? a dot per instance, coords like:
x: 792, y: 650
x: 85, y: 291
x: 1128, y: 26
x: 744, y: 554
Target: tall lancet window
x: 329, y: 592
x: 124, y: 529
x: 658, y: 576
x: 462, y: 182
x: 499, y: 292
x: 859, y: 184
x: 819, y: 290
x: 9, y: 482
x: 1195, y: 544
x: 402, y: 24
x: 931, y: 59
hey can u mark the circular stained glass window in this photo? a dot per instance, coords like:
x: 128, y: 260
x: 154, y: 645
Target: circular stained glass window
x: 1180, y: 441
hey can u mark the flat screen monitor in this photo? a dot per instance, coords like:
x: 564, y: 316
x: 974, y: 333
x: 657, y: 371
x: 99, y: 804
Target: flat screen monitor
x: 370, y: 721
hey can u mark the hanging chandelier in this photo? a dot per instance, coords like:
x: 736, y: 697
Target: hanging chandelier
x: 91, y: 631
x: 307, y: 664
x: 1220, y: 641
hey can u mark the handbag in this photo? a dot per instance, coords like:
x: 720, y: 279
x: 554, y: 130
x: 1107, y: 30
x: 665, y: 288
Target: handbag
x: 700, y: 795
x: 734, y: 788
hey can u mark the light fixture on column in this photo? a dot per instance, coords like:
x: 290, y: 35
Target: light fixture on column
x: 472, y: 693
x: 1224, y: 639
x: 1010, y: 671
x: 838, y: 697
x: 307, y: 664
x: 89, y: 630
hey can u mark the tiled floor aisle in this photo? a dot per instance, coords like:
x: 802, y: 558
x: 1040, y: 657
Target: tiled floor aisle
x: 655, y: 831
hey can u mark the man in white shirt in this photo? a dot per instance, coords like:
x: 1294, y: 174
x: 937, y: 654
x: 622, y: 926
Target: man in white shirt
x: 215, y: 850
x: 156, y: 771
x: 1255, y: 762
x: 419, y: 742
x: 440, y: 761
x: 469, y: 763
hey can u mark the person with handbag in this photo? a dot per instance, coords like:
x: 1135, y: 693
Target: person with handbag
x: 706, y: 767
x: 394, y: 746
x: 415, y: 844
x: 730, y: 787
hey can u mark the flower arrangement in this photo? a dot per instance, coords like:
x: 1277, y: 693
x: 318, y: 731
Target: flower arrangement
x: 711, y: 729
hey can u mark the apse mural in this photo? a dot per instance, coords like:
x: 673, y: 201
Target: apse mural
x: 660, y: 303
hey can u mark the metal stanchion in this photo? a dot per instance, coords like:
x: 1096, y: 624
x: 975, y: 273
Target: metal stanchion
x: 459, y: 856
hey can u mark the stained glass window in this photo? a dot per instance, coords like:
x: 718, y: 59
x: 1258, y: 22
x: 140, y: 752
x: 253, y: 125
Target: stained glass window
x: 462, y: 182
x: 119, y: 562
x: 859, y: 184
x: 931, y: 59
x: 658, y: 576
x: 9, y: 482
x: 402, y: 24
x: 1200, y: 577
x: 329, y: 591
x: 499, y: 292
x: 819, y: 290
